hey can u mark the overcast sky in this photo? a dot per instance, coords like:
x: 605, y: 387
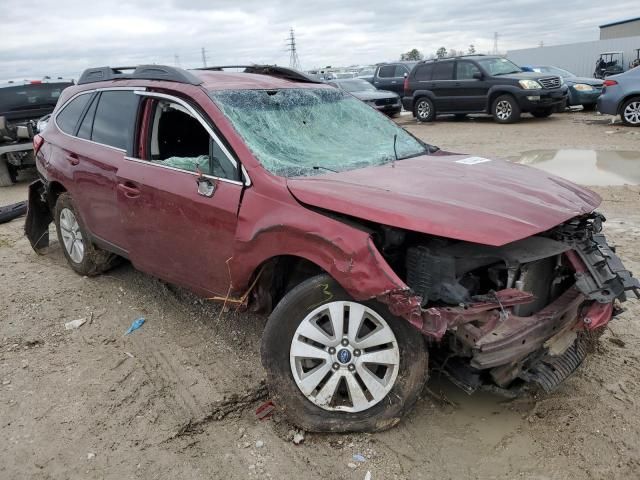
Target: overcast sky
x: 63, y: 37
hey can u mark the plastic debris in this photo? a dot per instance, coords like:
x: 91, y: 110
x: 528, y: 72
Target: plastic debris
x: 368, y: 475
x: 352, y: 466
x: 259, y: 444
x: 359, y: 458
x: 91, y: 456
x: 74, y: 324
x: 135, y: 325
x: 265, y: 410
x: 298, y: 438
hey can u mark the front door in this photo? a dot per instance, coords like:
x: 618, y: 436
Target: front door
x: 470, y: 91
x: 443, y: 86
x: 179, y: 202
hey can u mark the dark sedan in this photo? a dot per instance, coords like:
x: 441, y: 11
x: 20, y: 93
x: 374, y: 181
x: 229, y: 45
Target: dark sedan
x: 382, y: 100
x: 582, y: 90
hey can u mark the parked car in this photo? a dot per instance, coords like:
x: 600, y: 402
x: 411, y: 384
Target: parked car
x: 390, y: 76
x: 386, y: 102
x: 480, y: 84
x: 295, y: 198
x: 621, y: 96
x: 22, y: 104
x: 582, y: 90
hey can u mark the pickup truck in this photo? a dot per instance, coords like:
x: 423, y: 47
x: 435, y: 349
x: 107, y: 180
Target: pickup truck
x: 22, y: 105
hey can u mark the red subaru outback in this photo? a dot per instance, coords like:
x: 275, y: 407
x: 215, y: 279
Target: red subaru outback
x: 369, y: 248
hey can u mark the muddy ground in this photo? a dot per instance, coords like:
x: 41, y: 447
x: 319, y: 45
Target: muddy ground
x: 177, y: 398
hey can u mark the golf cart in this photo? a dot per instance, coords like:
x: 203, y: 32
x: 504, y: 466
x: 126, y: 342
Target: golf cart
x: 609, y: 63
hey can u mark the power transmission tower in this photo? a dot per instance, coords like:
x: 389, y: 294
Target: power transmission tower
x: 294, y: 61
x: 495, y: 43
x: 204, y: 58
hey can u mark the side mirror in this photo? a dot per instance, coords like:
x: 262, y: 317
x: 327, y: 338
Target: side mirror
x: 405, y: 75
x: 478, y: 76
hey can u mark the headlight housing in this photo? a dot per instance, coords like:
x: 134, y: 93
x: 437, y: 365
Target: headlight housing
x: 583, y: 87
x: 530, y: 85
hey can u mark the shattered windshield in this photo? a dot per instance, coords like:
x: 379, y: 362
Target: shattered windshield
x: 304, y: 131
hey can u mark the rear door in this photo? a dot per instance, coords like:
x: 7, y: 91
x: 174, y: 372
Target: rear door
x: 385, y: 77
x: 443, y: 86
x: 179, y: 197
x: 470, y: 92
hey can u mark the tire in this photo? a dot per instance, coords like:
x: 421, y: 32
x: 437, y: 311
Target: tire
x: 424, y: 110
x: 385, y: 403
x: 83, y: 256
x: 544, y: 113
x: 15, y: 210
x: 7, y: 175
x: 589, y: 107
x: 630, y: 112
x: 505, y: 109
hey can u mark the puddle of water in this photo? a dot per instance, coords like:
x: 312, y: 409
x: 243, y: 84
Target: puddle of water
x: 586, y: 167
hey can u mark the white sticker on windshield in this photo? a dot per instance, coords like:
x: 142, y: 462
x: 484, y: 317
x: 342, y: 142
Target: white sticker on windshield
x: 473, y: 160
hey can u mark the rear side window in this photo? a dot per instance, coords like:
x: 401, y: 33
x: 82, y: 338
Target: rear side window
x: 68, y: 118
x: 443, y: 71
x: 87, y: 122
x: 401, y: 70
x: 115, y: 119
x: 388, y: 71
x: 424, y: 72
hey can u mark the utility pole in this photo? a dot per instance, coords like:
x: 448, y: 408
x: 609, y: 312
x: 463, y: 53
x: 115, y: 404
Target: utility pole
x: 204, y: 58
x: 495, y: 43
x: 294, y: 61
x: 176, y: 59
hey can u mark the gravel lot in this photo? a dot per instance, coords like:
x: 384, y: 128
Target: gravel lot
x: 177, y: 398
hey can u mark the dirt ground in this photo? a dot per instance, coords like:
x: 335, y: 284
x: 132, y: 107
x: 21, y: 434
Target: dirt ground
x: 177, y: 398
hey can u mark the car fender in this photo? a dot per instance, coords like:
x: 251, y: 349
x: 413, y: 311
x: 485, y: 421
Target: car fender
x: 629, y: 94
x: 497, y: 90
x: 422, y: 93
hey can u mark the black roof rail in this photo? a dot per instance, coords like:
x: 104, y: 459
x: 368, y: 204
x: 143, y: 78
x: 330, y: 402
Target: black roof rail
x: 141, y: 72
x: 285, y: 73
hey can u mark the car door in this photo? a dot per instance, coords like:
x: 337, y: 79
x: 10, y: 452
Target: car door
x: 179, y: 207
x: 471, y: 88
x: 443, y: 86
x: 385, y: 76
x: 101, y: 139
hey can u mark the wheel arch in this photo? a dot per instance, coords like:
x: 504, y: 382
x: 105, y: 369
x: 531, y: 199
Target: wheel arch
x: 495, y: 93
x: 626, y: 98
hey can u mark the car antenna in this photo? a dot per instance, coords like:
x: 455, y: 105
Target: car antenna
x: 395, y: 152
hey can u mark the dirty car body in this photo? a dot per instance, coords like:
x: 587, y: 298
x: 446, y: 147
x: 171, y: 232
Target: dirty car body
x: 502, y: 268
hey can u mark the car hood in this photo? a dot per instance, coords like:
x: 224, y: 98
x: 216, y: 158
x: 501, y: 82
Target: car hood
x: 374, y: 95
x: 492, y: 202
x: 589, y: 81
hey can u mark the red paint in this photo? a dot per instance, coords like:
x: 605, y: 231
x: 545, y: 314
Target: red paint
x: 597, y: 315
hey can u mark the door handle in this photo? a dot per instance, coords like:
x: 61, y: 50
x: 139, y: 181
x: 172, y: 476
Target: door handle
x: 72, y: 158
x: 129, y: 190
x: 457, y: 84
x: 393, y: 81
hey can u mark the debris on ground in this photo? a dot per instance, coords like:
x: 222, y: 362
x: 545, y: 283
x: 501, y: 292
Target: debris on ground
x: 259, y: 444
x: 359, y: 458
x: 298, y: 438
x: 368, y: 475
x: 75, y: 324
x: 135, y: 325
x: 265, y: 410
x: 352, y: 466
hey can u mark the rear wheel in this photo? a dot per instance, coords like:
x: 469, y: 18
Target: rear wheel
x: 542, y: 113
x: 7, y: 173
x: 340, y: 365
x: 505, y: 109
x: 424, y: 110
x: 630, y: 112
x: 83, y: 256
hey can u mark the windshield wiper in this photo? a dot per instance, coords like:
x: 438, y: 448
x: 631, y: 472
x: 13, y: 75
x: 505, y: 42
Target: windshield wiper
x: 318, y: 167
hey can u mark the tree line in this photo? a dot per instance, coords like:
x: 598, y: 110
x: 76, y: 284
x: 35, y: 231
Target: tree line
x: 416, y: 55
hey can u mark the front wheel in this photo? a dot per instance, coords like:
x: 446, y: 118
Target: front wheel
x: 542, y: 113
x: 630, y: 112
x: 339, y: 365
x: 505, y: 109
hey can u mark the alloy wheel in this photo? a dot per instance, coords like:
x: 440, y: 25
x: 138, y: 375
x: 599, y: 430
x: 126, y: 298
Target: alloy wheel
x: 632, y: 113
x: 344, y: 357
x: 504, y: 110
x: 71, y: 235
x: 424, y: 110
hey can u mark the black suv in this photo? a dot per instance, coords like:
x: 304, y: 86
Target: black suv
x: 391, y: 76
x: 480, y: 84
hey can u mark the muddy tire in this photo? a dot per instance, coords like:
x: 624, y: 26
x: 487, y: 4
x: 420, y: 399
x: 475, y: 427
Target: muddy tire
x: 361, y: 368
x: 7, y: 175
x: 83, y: 256
x: 424, y: 110
x: 505, y: 109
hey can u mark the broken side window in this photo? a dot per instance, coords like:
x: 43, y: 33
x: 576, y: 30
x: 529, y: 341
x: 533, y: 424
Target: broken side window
x: 305, y: 131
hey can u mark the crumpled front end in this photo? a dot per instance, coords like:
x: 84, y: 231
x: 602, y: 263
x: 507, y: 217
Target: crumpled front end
x: 524, y: 312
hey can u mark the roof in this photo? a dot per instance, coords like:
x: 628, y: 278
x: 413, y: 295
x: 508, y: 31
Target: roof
x: 620, y: 22
x: 216, y: 80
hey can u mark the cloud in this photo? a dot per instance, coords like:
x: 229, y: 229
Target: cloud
x: 76, y: 35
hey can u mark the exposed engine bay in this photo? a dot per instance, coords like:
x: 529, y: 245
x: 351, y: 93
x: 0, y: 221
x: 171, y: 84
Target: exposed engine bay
x: 520, y: 313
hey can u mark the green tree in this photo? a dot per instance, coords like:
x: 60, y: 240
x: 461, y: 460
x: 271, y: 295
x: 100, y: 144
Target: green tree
x: 472, y: 49
x: 412, y: 55
x: 441, y: 52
